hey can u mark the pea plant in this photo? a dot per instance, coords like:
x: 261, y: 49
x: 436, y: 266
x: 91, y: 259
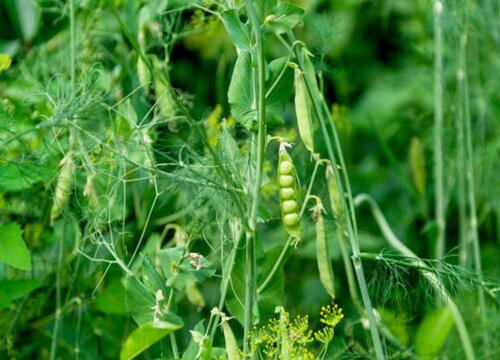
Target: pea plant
x: 183, y: 180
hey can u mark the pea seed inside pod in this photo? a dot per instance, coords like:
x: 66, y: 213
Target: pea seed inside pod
x: 291, y: 219
x: 286, y: 180
x: 287, y: 193
x: 289, y: 206
x: 286, y: 168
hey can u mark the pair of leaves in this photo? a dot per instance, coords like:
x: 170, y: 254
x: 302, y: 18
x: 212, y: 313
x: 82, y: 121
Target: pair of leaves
x: 240, y: 94
x: 277, y: 17
x: 180, y: 268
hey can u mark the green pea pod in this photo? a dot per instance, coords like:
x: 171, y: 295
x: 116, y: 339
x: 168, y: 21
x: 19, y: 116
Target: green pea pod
x: 303, y: 111
x: 333, y: 192
x: 309, y: 69
x: 231, y: 345
x: 63, y: 187
x: 288, y: 193
x: 325, y: 269
x: 143, y: 74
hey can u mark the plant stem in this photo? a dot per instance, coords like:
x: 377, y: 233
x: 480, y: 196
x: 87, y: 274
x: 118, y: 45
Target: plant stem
x: 260, y: 101
x: 57, y: 320
x: 347, y: 206
x: 462, y: 216
x: 72, y: 43
x: 470, y: 183
x: 438, y: 131
x: 226, y: 277
x: 430, y: 276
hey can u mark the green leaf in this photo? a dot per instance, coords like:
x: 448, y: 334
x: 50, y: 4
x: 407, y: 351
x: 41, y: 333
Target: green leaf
x: 181, y: 269
x: 11, y: 290
x: 284, y: 18
x: 237, y: 31
x: 19, y: 177
x: 139, y: 300
x: 145, y: 336
x: 199, y: 347
x: 433, y: 332
x: 13, y: 250
x: 112, y: 299
x: 283, y: 89
x: 240, y: 95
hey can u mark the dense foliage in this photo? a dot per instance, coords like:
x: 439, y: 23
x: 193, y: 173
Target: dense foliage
x: 264, y: 179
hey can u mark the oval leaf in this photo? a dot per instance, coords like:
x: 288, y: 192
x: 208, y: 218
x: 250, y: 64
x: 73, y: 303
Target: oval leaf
x: 145, y: 336
x: 13, y: 250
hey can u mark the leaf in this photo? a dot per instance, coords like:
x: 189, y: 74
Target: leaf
x: 19, y: 177
x: 145, y: 336
x: 13, y: 250
x: 283, y: 89
x: 180, y: 269
x: 200, y: 347
x: 433, y: 332
x: 139, y: 300
x: 240, y: 95
x: 284, y: 18
x: 11, y: 290
x: 237, y: 31
x: 112, y: 299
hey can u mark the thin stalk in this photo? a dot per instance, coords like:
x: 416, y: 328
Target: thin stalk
x: 430, y: 276
x: 348, y: 209
x: 284, y: 251
x: 57, y: 320
x: 351, y: 282
x: 72, y: 43
x: 259, y: 80
x: 225, y: 283
x: 173, y: 341
x: 470, y: 184
x: 462, y: 216
x: 438, y: 131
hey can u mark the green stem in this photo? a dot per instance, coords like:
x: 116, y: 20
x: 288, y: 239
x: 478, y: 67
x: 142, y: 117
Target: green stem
x: 430, y: 276
x: 470, y: 183
x: 57, y: 320
x: 462, y: 216
x: 226, y: 277
x: 438, y: 131
x: 72, y: 43
x: 259, y: 80
x: 347, y: 206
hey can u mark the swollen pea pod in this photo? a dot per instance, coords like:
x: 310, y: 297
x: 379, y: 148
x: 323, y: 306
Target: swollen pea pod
x: 303, y: 111
x: 288, y: 193
x: 325, y: 268
x: 63, y: 187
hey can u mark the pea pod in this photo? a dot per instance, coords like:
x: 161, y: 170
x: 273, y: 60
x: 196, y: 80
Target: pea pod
x: 303, y: 111
x: 288, y: 193
x: 325, y: 268
x: 231, y: 345
x: 63, y: 187
x: 333, y: 191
